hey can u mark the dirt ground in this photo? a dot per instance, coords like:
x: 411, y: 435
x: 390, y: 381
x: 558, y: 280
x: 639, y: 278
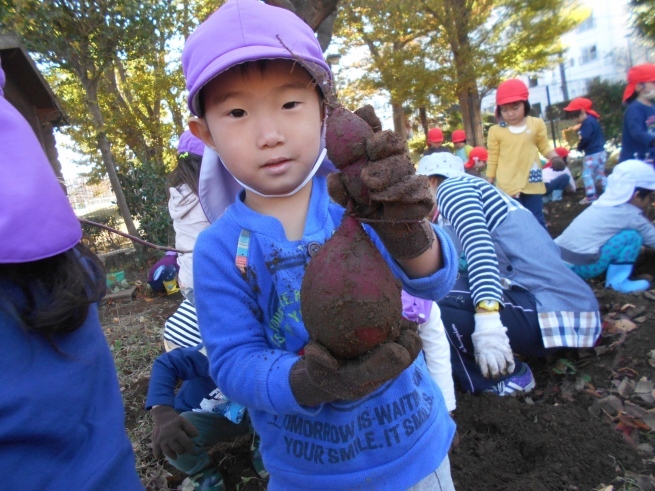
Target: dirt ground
x: 586, y: 426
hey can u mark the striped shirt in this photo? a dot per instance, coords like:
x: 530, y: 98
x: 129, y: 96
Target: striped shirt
x: 181, y: 328
x: 475, y: 208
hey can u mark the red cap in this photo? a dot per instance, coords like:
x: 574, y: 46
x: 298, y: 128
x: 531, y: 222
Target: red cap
x: 459, y: 136
x: 638, y: 75
x: 435, y: 135
x: 512, y: 90
x: 479, y: 153
x: 562, y: 152
x: 581, y: 103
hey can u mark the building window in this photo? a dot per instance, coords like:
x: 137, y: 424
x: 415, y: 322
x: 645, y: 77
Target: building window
x: 590, y: 53
x: 588, y: 23
x: 533, y: 81
x: 572, y: 62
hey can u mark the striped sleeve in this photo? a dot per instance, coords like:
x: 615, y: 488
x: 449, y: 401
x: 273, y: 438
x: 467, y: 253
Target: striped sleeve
x: 460, y: 201
x: 182, y: 327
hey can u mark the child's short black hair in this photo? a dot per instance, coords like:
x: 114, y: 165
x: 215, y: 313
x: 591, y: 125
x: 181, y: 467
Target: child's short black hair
x: 526, y: 108
x: 573, y: 114
x: 643, y: 192
x: 632, y: 97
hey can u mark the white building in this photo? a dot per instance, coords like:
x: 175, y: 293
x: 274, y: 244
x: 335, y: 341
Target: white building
x: 602, y: 47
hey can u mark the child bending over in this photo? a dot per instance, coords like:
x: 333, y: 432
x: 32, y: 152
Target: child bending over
x: 607, y: 236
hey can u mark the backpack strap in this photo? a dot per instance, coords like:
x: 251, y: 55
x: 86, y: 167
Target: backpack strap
x: 243, y: 247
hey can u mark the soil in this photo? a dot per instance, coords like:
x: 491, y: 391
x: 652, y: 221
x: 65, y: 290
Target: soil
x: 586, y: 426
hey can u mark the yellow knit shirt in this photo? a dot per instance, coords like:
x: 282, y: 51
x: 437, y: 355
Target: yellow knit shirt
x: 512, y: 156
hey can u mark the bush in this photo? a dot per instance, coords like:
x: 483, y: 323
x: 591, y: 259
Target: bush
x: 145, y: 191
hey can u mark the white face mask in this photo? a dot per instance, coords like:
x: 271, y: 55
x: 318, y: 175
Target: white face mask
x: 311, y: 174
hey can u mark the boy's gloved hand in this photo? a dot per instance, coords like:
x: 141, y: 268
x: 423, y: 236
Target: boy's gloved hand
x: 383, y: 187
x: 493, y: 353
x: 558, y: 164
x: 319, y: 377
x: 172, y: 433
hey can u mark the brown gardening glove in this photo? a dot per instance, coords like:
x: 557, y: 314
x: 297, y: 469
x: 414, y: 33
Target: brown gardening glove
x: 172, y: 433
x: 319, y: 377
x: 379, y: 182
x: 558, y: 164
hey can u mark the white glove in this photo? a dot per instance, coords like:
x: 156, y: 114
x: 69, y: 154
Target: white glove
x: 493, y: 353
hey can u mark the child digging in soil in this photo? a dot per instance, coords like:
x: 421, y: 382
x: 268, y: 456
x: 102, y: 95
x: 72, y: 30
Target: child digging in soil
x: 509, y: 296
x: 199, y: 416
x: 514, y: 145
x: 592, y: 143
x: 62, y: 421
x: 558, y: 180
x: 638, y: 135
x: 608, y: 236
x: 259, y: 108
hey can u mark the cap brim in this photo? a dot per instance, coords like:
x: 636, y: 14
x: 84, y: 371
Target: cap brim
x: 237, y: 57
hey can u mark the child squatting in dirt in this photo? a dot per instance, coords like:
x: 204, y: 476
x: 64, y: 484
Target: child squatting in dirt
x: 504, y: 300
x: 377, y: 422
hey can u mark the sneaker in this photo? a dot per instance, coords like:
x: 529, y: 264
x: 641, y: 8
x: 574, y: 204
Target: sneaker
x: 521, y: 382
x: 586, y: 200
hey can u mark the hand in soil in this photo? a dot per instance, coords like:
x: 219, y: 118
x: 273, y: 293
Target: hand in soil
x: 172, y: 433
x: 379, y: 182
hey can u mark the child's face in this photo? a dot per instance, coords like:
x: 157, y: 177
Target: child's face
x: 641, y: 203
x: 646, y: 91
x: 265, y: 125
x: 582, y: 116
x: 459, y: 145
x: 513, y: 113
x: 435, y: 144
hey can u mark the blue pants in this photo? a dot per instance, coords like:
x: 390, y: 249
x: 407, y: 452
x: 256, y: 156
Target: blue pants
x: 535, y: 204
x: 559, y: 183
x: 593, y: 172
x: 212, y: 429
x: 519, y: 317
x: 623, y: 248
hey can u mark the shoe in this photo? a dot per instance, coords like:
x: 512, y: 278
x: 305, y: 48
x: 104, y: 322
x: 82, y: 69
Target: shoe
x: 557, y: 195
x: 617, y: 278
x: 521, y: 382
x: 587, y: 200
x: 208, y: 480
x: 547, y: 198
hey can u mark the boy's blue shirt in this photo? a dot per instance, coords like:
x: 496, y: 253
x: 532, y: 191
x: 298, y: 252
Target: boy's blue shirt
x: 592, y: 139
x: 638, y: 132
x: 187, y: 364
x: 252, y: 327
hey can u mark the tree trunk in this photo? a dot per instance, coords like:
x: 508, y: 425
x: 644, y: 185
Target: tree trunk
x: 107, y: 156
x: 423, y: 116
x: 469, y: 103
x: 398, y: 118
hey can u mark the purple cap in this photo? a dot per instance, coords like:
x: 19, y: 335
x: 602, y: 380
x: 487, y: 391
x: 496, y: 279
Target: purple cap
x: 37, y: 220
x: 190, y: 143
x: 246, y: 30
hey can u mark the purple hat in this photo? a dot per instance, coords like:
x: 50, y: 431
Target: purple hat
x: 241, y: 31
x: 190, y: 143
x: 37, y: 220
